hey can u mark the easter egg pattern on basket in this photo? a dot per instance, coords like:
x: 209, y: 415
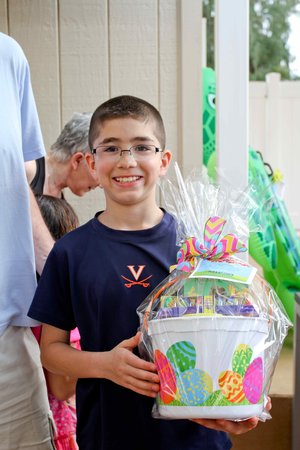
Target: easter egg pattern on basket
x: 213, y: 318
x: 181, y: 384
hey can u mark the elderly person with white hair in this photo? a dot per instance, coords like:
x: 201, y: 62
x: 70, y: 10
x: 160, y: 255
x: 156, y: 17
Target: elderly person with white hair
x: 66, y: 163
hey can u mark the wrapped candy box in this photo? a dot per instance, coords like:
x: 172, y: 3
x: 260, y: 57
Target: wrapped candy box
x: 213, y: 327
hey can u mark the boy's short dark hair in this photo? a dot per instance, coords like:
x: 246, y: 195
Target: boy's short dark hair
x: 127, y: 106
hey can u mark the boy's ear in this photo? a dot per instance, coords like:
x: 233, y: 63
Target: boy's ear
x: 165, y: 161
x: 76, y: 159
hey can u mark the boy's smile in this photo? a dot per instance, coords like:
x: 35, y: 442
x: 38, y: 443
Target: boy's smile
x: 126, y: 181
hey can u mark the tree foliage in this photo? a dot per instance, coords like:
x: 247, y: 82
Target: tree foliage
x: 208, y: 11
x: 269, y: 34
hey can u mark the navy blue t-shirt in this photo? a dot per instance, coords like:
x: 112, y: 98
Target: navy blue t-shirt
x: 95, y: 278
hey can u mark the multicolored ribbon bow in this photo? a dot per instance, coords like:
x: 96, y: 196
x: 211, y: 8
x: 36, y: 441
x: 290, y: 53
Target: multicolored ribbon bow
x: 212, y: 249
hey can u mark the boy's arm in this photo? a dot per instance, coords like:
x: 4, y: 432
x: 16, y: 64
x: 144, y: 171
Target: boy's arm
x: 119, y: 365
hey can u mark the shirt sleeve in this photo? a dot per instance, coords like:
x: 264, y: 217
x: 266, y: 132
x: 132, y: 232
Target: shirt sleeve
x: 32, y: 140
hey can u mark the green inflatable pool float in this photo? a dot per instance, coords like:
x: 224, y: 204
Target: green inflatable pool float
x: 275, y: 246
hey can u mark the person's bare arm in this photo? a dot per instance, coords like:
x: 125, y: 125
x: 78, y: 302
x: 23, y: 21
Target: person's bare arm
x: 119, y: 365
x: 61, y: 386
x: 42, y: 239
x: 30, y: 168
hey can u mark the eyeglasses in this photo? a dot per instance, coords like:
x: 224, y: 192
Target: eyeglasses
x: 138, y: 152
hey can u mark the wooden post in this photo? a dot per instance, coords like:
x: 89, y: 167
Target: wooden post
x: 204, y: 40
x: 232, y: 84
x: 232, y: 69
x: 190, y: 85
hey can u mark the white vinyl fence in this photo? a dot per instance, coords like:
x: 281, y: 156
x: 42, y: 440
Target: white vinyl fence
x: 274, y: 130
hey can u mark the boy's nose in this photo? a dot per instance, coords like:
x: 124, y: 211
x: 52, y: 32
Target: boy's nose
x: 126, y: 160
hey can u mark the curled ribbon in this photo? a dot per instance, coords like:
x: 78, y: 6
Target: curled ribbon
x: 212, y: 249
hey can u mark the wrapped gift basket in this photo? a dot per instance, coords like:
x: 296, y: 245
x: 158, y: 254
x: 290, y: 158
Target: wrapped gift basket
x: 213, y: 327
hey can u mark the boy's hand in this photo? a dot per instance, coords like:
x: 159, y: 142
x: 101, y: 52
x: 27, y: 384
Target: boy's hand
x: 130, y: 371
x: 230, y: 426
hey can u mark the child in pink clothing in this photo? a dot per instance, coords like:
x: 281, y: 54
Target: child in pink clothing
x: 65, y: 422
x: 64, y: 411
x: 60, y: 219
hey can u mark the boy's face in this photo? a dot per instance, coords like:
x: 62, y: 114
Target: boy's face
x: 126, y: 181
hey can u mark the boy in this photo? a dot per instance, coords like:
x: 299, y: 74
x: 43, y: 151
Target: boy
x: 95, y: 278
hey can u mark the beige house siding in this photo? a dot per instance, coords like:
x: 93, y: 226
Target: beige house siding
x: 81, y: 52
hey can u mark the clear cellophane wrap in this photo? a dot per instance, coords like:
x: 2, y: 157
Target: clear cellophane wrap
x: 213, y: 327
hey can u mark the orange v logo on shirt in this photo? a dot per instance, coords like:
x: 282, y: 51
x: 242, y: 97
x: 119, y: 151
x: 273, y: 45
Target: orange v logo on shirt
x: 136, y: 275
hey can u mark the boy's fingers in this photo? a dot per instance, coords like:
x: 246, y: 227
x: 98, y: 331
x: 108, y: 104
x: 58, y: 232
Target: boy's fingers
x: 228, y: 425
x: 143, y: 387
x: 144, y: 375
x: 141, y: 364
x: 131, y: 343
x: 144, y: 392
